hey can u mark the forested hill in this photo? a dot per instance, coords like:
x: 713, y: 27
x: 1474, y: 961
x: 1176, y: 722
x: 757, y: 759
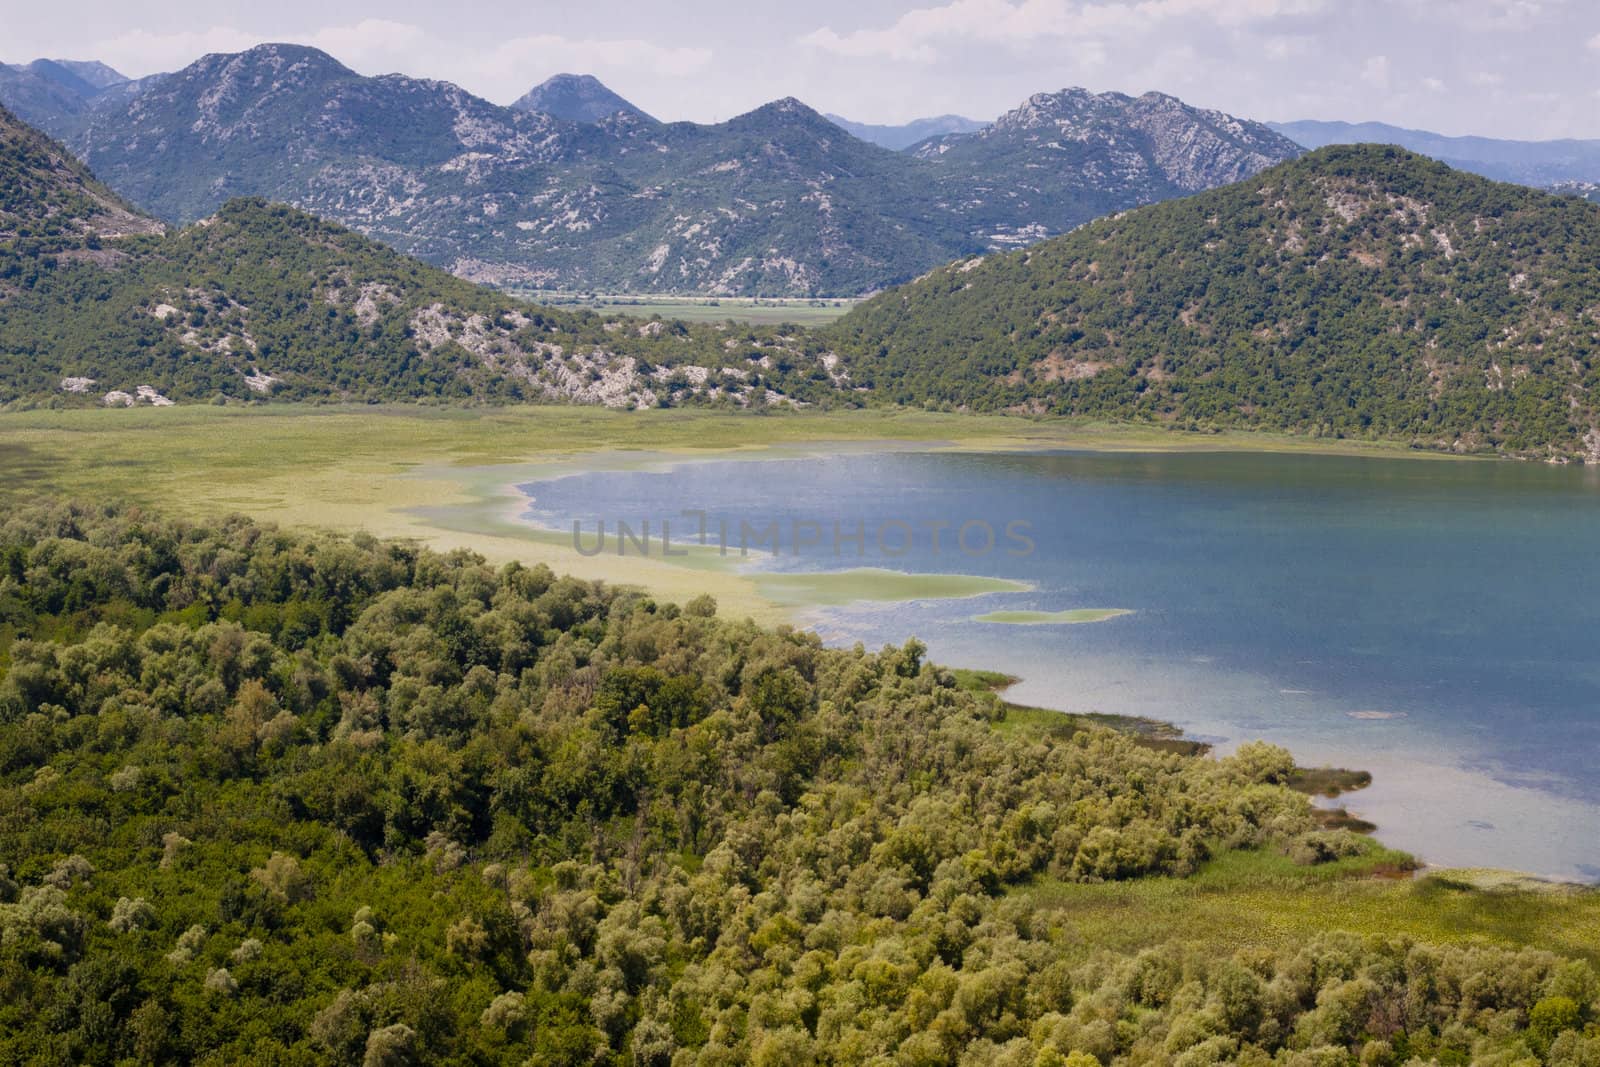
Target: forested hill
x: 1359, y: 291
x: 265, y: 302
x: 279, y: 799
x: 48, y: 196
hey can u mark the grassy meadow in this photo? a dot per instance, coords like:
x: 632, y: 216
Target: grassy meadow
x: 446, y: 476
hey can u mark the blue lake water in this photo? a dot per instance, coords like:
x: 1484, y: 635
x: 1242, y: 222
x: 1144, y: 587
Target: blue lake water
x: 1437, y: 623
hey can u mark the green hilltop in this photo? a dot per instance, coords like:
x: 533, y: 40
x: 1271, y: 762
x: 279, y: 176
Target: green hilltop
x: 1359, y: 292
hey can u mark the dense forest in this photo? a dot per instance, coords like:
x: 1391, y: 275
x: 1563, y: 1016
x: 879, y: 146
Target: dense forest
x: 285, y: 798
x: 1357, y: 292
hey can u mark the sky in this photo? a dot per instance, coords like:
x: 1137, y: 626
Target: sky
x: 1502, y: 68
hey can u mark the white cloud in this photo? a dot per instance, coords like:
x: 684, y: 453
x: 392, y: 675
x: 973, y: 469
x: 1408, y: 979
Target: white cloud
x: 918, y: 34
x: 548, y: 52
x: 140, y: 52
x: 1594, y: 42
x: 371, y: 45
x: 382, y: 46
x: 1434, y: 85
x: 1375, y: 72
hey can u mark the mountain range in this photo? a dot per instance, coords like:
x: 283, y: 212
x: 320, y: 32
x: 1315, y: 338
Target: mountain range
x: 1542, y: 164
x: 779, y: 201
x: 57, y: 94
x: 100, y: 304
x: 1361, y: 292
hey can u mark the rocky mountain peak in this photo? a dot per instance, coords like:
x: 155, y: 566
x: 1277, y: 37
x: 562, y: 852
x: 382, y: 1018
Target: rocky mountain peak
x: 297, y: 61
x: 577, y: 98
x: 787, y: 112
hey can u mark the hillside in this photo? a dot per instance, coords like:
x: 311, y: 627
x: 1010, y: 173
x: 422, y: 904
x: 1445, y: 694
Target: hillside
x: 776, y: 202
x: 781, y: 201
x: 48, y: 198
x: 264, y: 302
x: 1542, y: 164
x: 1363, y: 292
x: 576, y: 98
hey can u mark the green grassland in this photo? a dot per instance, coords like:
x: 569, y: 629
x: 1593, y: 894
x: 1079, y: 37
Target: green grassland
x: 1263, y: 900
x: 445, y: 476
x: 1070, y: 617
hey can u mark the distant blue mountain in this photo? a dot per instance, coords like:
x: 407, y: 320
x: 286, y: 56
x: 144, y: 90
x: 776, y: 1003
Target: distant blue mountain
x: 55, y: 94
x: 899, y: 138
x: 1542, y: 164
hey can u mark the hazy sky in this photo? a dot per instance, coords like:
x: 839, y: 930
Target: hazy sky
x: 1528, y: 68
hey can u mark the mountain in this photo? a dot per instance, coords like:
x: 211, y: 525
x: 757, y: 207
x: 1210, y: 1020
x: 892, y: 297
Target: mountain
x: 40, y: 100
x: 779, y: 201
x: 1359, y: 291
x: 1543, y: 164
x: 576, y: 98
x: 1064, y: 158
x: 776, y: 201
x: 291, y: 123
x: 261, y: 302
x: 55, y: 94
x: 50, y: 200
x: 897, y: 138
x: 85, y: 77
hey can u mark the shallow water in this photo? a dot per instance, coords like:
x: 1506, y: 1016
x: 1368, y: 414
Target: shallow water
x: 1434, y: 622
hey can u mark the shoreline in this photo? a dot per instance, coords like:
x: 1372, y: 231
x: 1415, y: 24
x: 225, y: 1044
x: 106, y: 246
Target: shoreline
x: 473, y: 510
x: 351, y: 470
x: 1316, y: 783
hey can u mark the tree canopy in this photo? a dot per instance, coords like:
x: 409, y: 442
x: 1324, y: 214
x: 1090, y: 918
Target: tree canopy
x: 282, y: 798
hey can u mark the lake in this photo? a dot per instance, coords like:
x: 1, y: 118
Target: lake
x: 1435, y: 622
